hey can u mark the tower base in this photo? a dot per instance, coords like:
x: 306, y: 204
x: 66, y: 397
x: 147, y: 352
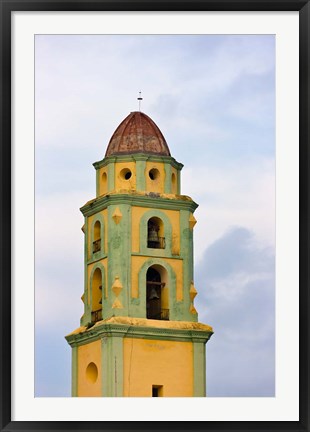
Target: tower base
x: 136, y: 357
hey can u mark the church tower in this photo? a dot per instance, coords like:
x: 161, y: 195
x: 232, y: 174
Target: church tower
x: 139, y: 334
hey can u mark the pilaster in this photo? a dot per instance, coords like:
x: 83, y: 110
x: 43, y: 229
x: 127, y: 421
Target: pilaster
x: 74, y: 366
x: 140, y: 172
x: 199, y: 352
x: 168, y: 186
x: 119, y: 253
x: 111, y: 176
x: 112, y: 365
x: 186, y: 235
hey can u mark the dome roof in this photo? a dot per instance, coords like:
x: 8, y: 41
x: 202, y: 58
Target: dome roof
x: 137, y: 133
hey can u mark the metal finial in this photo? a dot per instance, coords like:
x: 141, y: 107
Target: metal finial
x: 140, y: 99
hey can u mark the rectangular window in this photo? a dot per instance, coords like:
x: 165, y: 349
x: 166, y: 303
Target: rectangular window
x: 157, y: 391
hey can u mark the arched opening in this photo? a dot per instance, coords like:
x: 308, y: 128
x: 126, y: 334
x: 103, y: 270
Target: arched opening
x: 156, y: 294
x: 97, y: 296
x: 97, y: 237
x: 155, y: 234
x: 104, y: 183
x: 174, y: 183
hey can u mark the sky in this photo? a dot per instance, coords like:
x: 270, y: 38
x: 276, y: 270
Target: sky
x: 213, y: 97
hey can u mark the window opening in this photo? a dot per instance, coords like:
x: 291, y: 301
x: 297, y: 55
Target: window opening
x: 154, y: 287
x: 96, y: 314
x: 154, y: 174
x: 125, y: 174
x: 157, y: 391
x: 97, y: 237
x: 155, y: 240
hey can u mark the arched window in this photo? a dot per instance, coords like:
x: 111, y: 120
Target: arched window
x: 156, y: 297
x: 97, y: 295
x: 97, y: 237
x: 155, y: 234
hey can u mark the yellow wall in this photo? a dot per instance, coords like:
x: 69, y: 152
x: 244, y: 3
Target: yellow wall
x: 157, y: 362
x: 120, y: 182
x: 90, y: 353
x: 174, y: 217
x: 152, y: 185
x: 156, y: 185
x: 136, y: 213
x: 138, y: 261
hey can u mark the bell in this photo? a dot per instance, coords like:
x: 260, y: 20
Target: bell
x: 153, y: 235
x: 154, y: 295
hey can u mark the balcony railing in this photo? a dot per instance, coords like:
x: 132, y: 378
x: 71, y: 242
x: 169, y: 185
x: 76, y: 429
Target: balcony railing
x: 96, y: 316
x: 157, y: 244
x: 96, y: 245
x: 163, y: 315
x: 156, y: 284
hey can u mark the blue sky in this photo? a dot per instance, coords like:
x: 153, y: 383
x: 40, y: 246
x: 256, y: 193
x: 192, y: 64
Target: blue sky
x: 213, y: 97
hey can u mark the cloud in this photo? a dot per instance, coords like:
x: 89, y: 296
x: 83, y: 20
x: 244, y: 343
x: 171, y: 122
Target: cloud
x: 236, y: 295
x: 212, y: 97
x: 234, y: 193
x: 186, y: 82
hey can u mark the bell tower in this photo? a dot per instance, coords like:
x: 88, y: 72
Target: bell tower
x: 139, y: 334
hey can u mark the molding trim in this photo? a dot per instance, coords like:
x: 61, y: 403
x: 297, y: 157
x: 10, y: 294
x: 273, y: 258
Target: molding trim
x: 150, y: 200
x: 103, y: 329
x: 138, y: 157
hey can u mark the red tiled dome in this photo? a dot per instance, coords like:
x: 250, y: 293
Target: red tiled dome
x: 137, y: 134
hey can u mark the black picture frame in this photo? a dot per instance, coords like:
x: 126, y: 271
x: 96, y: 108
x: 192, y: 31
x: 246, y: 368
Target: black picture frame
x: 6, y: 8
